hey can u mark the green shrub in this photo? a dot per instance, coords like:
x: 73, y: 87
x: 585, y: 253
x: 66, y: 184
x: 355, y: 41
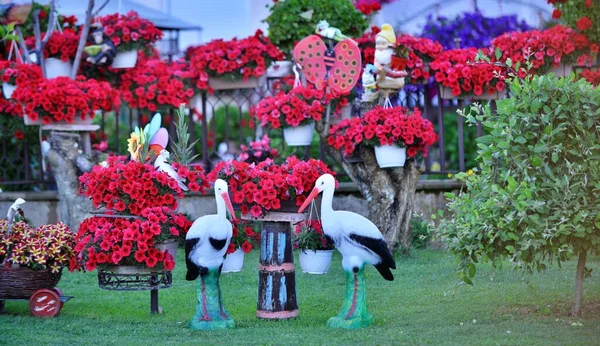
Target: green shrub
x: 287, y: 26
x: 535, y: 199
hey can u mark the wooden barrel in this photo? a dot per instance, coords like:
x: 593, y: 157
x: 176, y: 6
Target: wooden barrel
x: 276, y: 272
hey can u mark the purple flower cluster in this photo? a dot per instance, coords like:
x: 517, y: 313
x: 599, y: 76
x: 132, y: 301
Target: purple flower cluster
x: 474, y: 29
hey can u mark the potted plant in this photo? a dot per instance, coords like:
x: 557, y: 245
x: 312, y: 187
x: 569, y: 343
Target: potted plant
x: 394, y: 133
x: 259, y: 188
x: 458, y: 77
x: 580, y: 15
x: 257, y: 151
x: 591, y: 76
x: 233, y: 64
x: 130, y: 34
x: 315, y: 249
x: 241, y: 243
x: 63, y: 100
x: 14, y: 73
x: 421, y: 51
x: 555, y: 50
x: 295, y: 111
x: 33, y: 258
x: 292, y: 20
x: 59, y: 52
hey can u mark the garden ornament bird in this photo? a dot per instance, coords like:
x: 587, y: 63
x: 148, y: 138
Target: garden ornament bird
x: 13, y: 211
x: 206, y: 246
x: 360, y: 242
x: 162, y: 165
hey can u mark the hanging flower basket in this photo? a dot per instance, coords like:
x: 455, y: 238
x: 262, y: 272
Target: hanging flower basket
x: 57, y: 68
x: 8, y: 89
x: 125, y: 59
x: 315, y: 261
x: 226, y: 84
x: 446, y: 94
x: 299, y: 136
x: 169, y: 246
x: 562, y: 70
x: 390, y: 156
x: 233, y: 262
x: 280, y: 69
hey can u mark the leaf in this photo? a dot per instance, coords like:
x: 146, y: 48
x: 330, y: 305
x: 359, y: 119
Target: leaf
x: 471, y: 270
x: 554, y: 157
x: 510, y: 248
x: 509, y: 62
x: 498, y: 53
x: 536, y: 161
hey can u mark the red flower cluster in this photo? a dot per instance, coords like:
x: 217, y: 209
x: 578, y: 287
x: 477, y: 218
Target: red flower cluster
x: 18, y: 73
x: 154, y: 85
x: 257, y: 151
x: 452, y: 71
x: 581, y: 15
x: 62, y: 99
x: 128, y: 240
x: 129, y: 31
x: 547, y: 48
x: 193, y: 177
x: 48, y: 246
x: 264, y: 186
x: 368, y: 7
x: 591, y: 76
x: 366, y: 43
x: 243, y: 236
x: 309, y: 236
x: 61, y: 45
x: 299, y: 106
x: 384, y: 126
x: 421, y: 51
x: 248, y: 57
x: 584, y: 23
x: 130, y: 187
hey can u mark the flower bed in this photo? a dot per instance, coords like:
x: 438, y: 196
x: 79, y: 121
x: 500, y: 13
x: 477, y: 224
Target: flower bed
x: 265, y: 186
x: 129, y: 32
x: 384, y: 126
x: 234, y: 59
x: 62, y: 99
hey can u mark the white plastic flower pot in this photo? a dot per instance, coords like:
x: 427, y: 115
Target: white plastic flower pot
x: 346, y: 112
x: 233, y: 262
x: 8, y: 89
x: 562, y: 70
x: 57, y: 68
x: 126, y: 59
x: 170, y: 245
x: 390, y: 156
x: 299, y: 136
x: 279, y: 69
x: 315, y: 261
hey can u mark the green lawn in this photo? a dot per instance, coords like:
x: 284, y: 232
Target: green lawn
x: 424, y: 305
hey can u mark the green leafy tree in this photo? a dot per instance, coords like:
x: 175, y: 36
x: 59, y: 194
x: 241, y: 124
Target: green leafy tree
x: 292, y: 20
x: 534, y: 200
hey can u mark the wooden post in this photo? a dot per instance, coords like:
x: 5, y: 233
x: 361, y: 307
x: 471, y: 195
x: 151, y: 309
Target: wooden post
x: 277, y: 297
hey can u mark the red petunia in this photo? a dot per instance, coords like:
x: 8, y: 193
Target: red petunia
x: 584, y: 23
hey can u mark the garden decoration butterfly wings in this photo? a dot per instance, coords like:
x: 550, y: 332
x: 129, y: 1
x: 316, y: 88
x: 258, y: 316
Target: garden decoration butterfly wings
x: 337, y: 67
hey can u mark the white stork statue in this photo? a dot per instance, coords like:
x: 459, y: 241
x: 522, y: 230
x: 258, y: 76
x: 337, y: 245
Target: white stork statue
x: 206, y: 245
x: 360, y: 242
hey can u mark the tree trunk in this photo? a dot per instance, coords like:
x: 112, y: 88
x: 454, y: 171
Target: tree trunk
x: 390, y: 192
x: 67, y: 164
x: 579, y: 283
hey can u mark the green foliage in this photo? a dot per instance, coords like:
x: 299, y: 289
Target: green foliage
x: 18, y: 139
x: 535, y: 198
x: 110, y: 133
x: 182, y: 148
x: 421, y: 231
x: 288, y: 21
x: 451, y: 141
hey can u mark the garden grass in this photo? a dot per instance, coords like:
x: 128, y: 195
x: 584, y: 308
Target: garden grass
x: 426, y: 304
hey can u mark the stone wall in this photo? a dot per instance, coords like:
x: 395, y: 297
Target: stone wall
x: 41, y: 207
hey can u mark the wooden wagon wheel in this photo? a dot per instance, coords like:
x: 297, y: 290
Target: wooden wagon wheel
x: 45, y: 303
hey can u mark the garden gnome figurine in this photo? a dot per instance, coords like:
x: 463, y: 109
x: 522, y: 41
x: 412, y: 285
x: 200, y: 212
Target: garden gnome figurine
x: 385, y: 49
x: 369, y: 84
x: 206, y: 245
x: 102, y: 50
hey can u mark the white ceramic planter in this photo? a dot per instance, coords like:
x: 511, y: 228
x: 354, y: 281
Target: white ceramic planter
x: 280, y: 69
x: 562, y: 70
x: 346, y: 112
x: 233, y: 262
x: 446, y: 94
x: 390, y: 156
x: 57, y: 68
x: 7, y: 89
x: 315, y: 261
x: 299, y: 136
x: 126, y: 59
x: 77, y: 121
x: 171, y: 246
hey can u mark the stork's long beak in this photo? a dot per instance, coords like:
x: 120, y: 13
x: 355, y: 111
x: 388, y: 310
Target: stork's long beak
x: 310, y: 197
x: 225, y: 196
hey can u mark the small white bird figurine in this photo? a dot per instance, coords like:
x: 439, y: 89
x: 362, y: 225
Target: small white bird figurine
x: 360, y: 242
x: 162, y: 165
x: 13, y: 210
x: 206, y: 245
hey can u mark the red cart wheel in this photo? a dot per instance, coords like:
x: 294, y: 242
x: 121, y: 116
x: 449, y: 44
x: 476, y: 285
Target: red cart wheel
x: 59, y: 292
x: 44, y: 303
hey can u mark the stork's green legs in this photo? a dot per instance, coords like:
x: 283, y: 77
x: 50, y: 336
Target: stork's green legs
x: 210, y: 313
x: 354, y: 312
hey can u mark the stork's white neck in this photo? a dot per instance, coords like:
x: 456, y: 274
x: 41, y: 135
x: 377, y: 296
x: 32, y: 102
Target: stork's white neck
x: 326, y: 202
x: 221, y: 210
